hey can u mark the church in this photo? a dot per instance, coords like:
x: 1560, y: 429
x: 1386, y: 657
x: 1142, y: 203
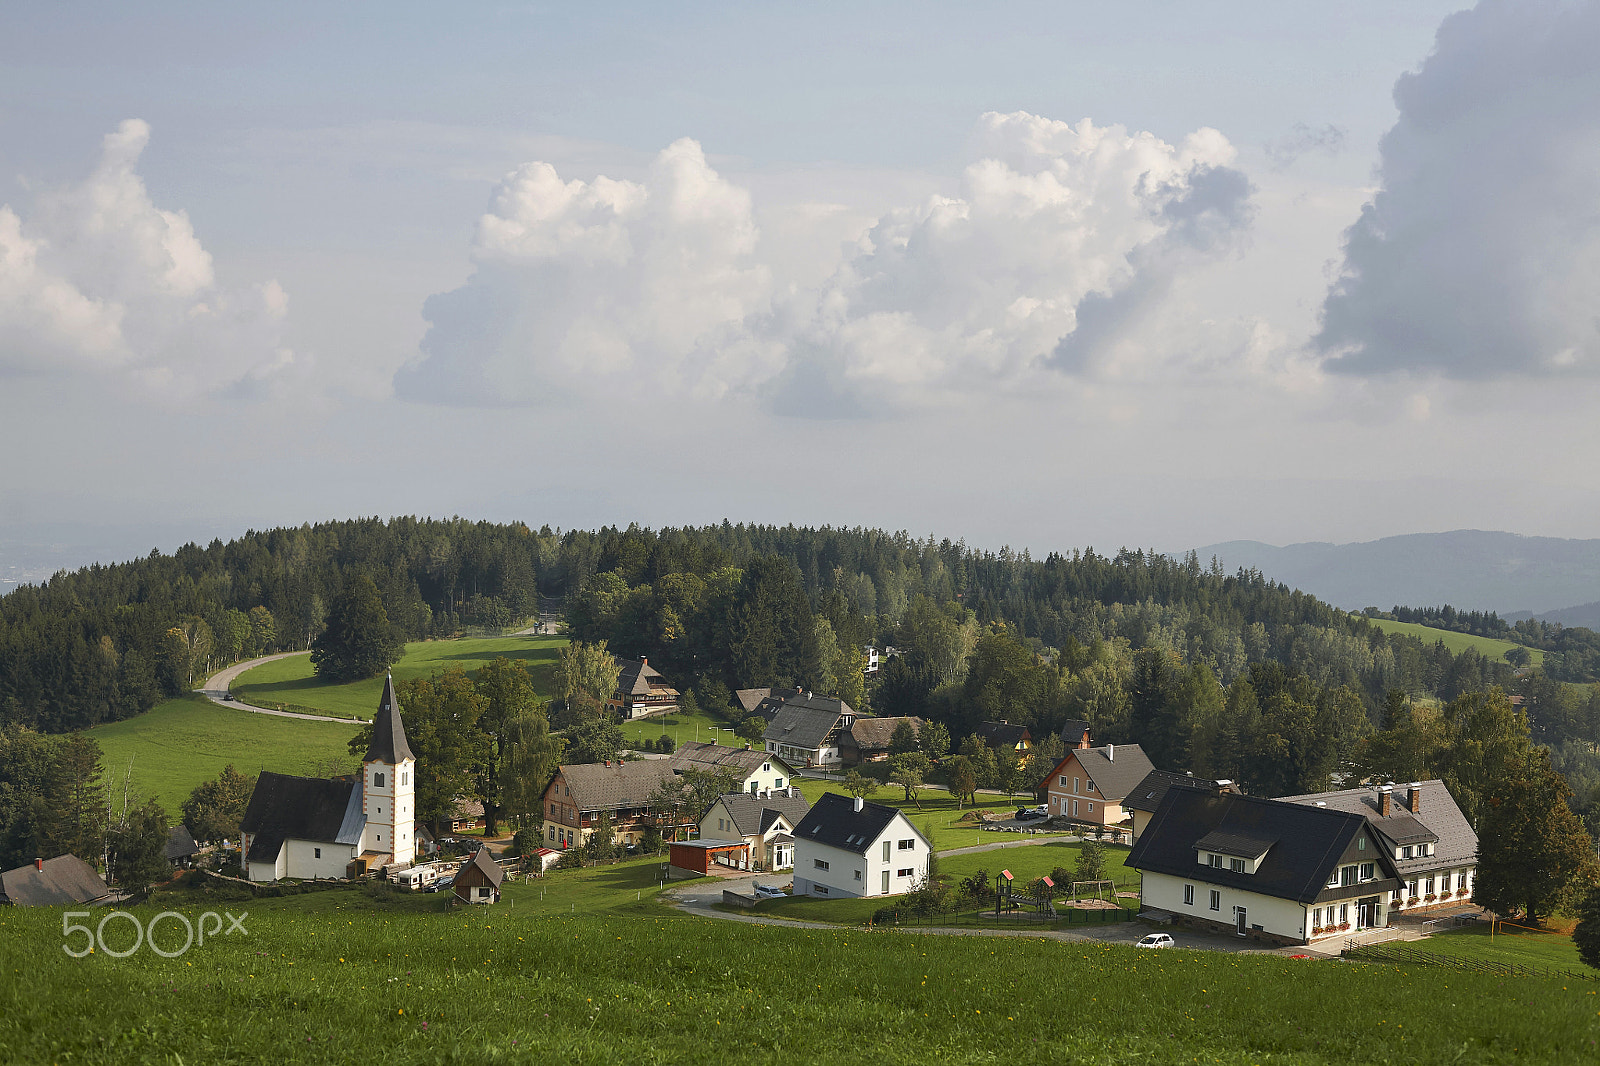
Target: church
x: 309, y: 827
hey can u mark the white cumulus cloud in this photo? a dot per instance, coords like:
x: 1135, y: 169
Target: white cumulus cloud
x: 1479, y: 257
x: 97, y: 278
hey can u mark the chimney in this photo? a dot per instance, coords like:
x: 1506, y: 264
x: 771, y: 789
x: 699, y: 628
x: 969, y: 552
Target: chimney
x: 608, y: 764
x: 1414, y: 797
x: 644, y: 660
x: 858, y: 804
x: 38, y: 864
x: 1385, y: 801
x: 1111, y: 753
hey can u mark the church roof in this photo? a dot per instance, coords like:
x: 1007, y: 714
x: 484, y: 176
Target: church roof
x: 388, y: 734
x: 301, y: 808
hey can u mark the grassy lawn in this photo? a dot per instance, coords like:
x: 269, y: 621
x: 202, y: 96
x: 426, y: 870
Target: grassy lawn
x: 182, y: 742
x: 1456, y: 642
x: 938, y: 812
x: 1509, y: 945
x: 325, y: 979
x: 292, y: 683
x: 702, y: 725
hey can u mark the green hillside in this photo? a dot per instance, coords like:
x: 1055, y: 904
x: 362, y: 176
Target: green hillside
x: 605, y: 975
x: 292, y: 683
x: 1456, y: 642
x: 184, y: 741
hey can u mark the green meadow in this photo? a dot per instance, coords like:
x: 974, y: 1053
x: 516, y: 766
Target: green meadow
x: 293, y: 685
x: 182, y: 742
x: 681, y: 727
x: 578, y: 969
x: 951, y: 826
x: 1456, y: 642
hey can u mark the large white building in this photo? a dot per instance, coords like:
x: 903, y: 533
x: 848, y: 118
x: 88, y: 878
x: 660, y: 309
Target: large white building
x: 849, y: 847
x: 311, y: 827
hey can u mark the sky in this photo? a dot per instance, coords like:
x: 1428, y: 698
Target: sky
x: 1046, y: 275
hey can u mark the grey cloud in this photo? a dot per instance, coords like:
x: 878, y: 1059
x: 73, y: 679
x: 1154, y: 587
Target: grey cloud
x: 1479, y: 257
x: 1283, y: 152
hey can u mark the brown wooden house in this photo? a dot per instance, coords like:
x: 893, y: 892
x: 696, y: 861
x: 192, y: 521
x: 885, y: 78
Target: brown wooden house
x: 479, y: 880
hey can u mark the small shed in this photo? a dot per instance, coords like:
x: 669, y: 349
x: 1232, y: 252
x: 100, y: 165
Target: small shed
x: 479, y: 880
x: 696, y: 858
x: 544, y: 858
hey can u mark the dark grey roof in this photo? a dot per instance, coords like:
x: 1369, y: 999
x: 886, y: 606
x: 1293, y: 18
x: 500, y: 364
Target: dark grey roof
x: 1072, y: 731
x: 180, y: 843
x: 1306, y: 843
x: 711, y: 756
x: 485, y: 864
x: 750, y: 698
x: 1115, y: 769
x: 1003, y: 734
x: 641, y: 679
x: 300, y: 808
x: 800, y: 725
x: 64, y: 879
x: 834, y: 821
x: 874, y: 734
x: 1242, y: 845
x: 1146, y: 795
x: 1454, y: 841
x: 388, y: 733
x: 598, y: 787
x: 753, y: 815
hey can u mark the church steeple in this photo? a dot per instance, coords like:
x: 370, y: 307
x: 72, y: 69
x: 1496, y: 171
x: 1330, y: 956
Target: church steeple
x: 388, y: 733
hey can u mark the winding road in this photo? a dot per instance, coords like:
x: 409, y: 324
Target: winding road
x: 216, y: 687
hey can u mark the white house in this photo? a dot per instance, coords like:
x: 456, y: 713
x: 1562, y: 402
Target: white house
x: 766, y: 822
x: 849, y: 847
x: 308, y: 827
x: 1288, y: 873
x: 805, y: 729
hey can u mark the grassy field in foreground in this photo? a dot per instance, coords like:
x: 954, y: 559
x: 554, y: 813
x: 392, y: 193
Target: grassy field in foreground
x: 1456, y: 642
x: 341, y: 978
x: 181, y: 742
x: 292, y: 681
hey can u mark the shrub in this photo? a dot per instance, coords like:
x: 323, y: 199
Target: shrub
x: 665, y: 745
x: 647, y: 744
x: 525, y: 841
x: 977, y: 887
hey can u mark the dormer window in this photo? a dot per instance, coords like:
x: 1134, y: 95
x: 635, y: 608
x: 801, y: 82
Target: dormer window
x: 1214, y: 860
x: 1406, y: 852
x: 1236, y: 865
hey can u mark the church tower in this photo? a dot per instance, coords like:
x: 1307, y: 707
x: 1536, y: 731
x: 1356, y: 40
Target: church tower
x: 388, y: 785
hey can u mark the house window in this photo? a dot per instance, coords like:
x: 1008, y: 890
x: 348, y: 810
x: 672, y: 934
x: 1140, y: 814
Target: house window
x: 316, y: 852
x: 766, y: 768
x: 858, y: 875
x: 820, y: 864
x: 1075, y: 784
x: 1316, y: 918
x: 1430, y: 886
x: 405, y: 778
x: 755, y: 786
x: 1188, y: 895
x: 1405, y: 852
x: 1091, y: 808
x: 885, y: 851
x: 1368, y: 871
x: 907, y: 872
x: 1361, y: 844
x: 1344, y: 912
x: 907, y: 845
x: 550, y: 833
x: 377, y: 780
x: 1215, y: 860
x: 1063, y: 782
x: 779, y: 783
x: 1216, y: 900
x: 1461, y: 879
x: 821, y: 890
x: 1236, y: 865
x: 1411, y: 887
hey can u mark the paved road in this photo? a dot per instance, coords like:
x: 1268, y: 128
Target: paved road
x: 217, y: 685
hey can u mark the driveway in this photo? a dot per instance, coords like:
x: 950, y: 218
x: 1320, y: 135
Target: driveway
x: 217, y: 686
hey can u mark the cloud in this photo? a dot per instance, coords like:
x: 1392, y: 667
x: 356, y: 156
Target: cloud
x: 98, y: 279
x: 605, y: 285
x: 1479, y: 257
x: 1283, y: 152
x: 665, y: 286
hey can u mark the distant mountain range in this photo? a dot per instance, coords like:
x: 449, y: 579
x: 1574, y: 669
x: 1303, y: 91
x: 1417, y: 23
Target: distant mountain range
x: 1515, y: 576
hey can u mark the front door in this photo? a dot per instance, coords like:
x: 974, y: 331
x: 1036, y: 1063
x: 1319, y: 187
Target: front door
x: 1238, y: 920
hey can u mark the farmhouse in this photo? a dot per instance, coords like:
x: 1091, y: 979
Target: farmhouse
x: 1003, y: 736
x: 581, y: 793
x: 466, y: 814
x: 849, y: 847
x: 757, y: 771
x: 641, y: 692
x: 478, y: 881
x: 867, y: 739
x: 1089, y: 784
x: 1290, y: 873
x: 1430, y: 840
x: 766, y: 822
x: 806, y: 730
x: 1148, y: 794
x: 51, y: 883
x: 315, y: 827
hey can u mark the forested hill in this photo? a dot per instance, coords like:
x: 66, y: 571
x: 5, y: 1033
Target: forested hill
x: 106, y: 642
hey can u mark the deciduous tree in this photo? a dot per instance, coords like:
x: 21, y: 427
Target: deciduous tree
x: 215, y: 807
x: 1533, y: 853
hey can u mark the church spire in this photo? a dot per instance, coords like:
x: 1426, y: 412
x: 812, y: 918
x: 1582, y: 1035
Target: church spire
x: 388, y: 734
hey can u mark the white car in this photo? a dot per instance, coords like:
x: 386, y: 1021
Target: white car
x: 769, y: 892
x: 1158, y: 940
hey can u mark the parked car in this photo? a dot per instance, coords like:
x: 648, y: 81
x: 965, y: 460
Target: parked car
x: 1025, y: 814
x: 1158, y: 940
x: 768, y: 891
